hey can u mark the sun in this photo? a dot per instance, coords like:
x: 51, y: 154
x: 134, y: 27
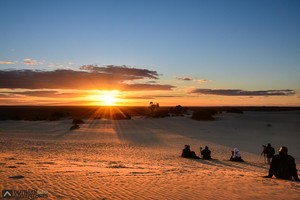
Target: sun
x: 109, y: 98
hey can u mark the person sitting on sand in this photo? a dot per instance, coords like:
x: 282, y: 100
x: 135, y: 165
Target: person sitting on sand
x: 205, y: 153
x: 283, y: 166
x: 187, y: 153
x: 236, y: 155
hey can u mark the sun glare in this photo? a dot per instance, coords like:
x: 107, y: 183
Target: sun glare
x: 109, y: 98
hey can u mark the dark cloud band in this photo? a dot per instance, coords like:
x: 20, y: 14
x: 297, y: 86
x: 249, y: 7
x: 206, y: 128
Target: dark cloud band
x: 233, y: 92
x: 88, y: 78
x: 121, y: 70
x: 184, y: 78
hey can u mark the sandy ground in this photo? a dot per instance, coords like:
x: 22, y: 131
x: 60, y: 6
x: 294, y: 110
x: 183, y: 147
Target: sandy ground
x: 140, y: 158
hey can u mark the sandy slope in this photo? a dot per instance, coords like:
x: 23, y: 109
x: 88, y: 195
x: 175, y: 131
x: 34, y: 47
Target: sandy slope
x: 140, y: 158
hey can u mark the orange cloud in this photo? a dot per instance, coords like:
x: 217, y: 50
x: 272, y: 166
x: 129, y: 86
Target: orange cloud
x: 42, y: 93
x: 29, y: 61
x: 202, y: 81
x: 6, y: 63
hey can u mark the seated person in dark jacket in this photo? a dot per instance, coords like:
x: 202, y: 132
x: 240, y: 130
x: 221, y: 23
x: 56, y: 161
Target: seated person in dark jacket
x: 205, y: 153
x: 283, y: 166
x: 187, y: 153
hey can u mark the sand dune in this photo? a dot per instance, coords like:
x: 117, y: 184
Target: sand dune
x: 140, y: 158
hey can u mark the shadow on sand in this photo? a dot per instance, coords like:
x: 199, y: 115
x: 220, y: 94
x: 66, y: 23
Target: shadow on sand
x: 228, y: 163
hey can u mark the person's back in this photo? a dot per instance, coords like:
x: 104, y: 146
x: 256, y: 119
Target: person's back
x: 206, y: 153
x: 284, y: 170
x: 283, y: 166
x: 186, y: 151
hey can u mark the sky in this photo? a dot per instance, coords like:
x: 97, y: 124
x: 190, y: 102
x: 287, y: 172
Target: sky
x: 189, y: 53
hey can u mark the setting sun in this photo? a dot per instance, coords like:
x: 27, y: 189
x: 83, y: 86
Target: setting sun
x: 108, y: 98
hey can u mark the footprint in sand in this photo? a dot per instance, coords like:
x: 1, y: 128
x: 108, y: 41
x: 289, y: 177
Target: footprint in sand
x: 17, y: 177
x: 21, y: 163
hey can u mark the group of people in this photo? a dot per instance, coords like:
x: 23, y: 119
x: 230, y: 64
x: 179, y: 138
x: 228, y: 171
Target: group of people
x: 204, y: 153
x: 282, y: 165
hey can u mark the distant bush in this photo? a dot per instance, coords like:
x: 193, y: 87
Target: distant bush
x: 178, y: 110
x: 153, y: 106
x: 235, y: 110
x: 205, y: 115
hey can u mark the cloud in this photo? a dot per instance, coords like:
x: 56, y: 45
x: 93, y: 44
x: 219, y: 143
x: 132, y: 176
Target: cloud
x: 152, y: 96
x: 191, y: 79
x: 142, y: 87
x: 236, y: 92
x: 150, y: 82
x: 80, y: 80
x: 202, y: 81
x: 184, y: 78
x: 121, y: 70
x: 41, y: 93
x: 6, y: 95
x: 6, y: 63
x: 29, y: 61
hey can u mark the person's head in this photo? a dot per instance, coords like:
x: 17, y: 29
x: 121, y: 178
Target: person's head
x: 269, y: 144
x: 283, y: 150
x: 206, y: 147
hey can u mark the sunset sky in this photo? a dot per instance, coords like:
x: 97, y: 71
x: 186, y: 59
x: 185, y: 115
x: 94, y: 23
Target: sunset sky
x: 200, y: 53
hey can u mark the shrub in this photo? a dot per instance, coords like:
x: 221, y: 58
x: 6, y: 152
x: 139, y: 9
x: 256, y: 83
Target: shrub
x: 178, y: 110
